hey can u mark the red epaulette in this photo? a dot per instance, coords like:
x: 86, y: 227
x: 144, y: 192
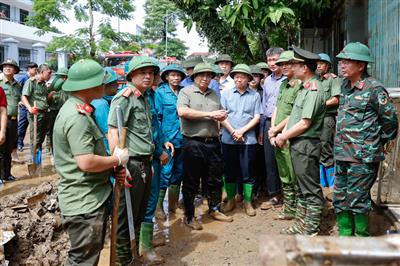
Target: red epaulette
x: 127, y: 92
x: 311, y: 85
x: 84, y: 109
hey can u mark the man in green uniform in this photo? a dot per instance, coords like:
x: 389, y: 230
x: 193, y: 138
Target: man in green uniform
x: 303, y: 130
x: 12, y: 90
x: 56, y: 99
x: 284, y: 105
x: 35, y: 92
x: 331, y: 84
x: 139, y: 141
x: 81, y: 161
x: 366, y: 122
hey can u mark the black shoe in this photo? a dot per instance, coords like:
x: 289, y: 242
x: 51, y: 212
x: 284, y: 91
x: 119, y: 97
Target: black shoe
x: 9, y: 178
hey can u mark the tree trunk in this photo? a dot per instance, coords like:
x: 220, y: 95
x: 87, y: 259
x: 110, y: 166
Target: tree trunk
x: 92, y: 42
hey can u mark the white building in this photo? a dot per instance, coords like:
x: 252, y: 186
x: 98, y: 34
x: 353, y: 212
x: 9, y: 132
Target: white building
x: 18, y: 41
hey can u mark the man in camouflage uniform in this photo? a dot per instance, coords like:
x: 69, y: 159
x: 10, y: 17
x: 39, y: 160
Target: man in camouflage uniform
x: 12, y: 90
x: 284, y: 105
x: 331, y: 84
x: 303, y: 130
x: 366, y: 122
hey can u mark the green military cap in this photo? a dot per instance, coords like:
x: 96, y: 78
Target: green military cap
x: 172, y: 67
x: 83, y: 75
x: 256, y: 70
x: 284, y: 57
x: 202, y: 68
x: 57, y: 83
x: 217, y: 69
x: 62, y: 71
x: 192, y: 61
x: 263, y: 65
x: 301, y: 55
x: 224, y: 57
x: 10, y: 62
x: 111, y: 75
x: 324, y: 57
x: 139, y: 62
x: 241, y: 68
x: 356, y: 51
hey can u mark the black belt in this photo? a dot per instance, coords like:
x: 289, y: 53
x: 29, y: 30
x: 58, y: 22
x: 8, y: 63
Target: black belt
x: 143, y: 158
x: 12, y: 117
x: 204, y: 139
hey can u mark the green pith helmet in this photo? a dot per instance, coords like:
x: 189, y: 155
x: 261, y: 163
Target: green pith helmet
x: 111, y: 75
x: 138, y: 62
x: 241, y: 68
x: 256, y: 70
x: 263, y: 65
x: 356, y: 51
x: 57, y: 83
x: 10, y: 62
x: 326, y: 58
x: 301, y: 55
x: 192, y: 62
x: 285, y: 56
x: 224, y: 57
x: 62, y: 71
x: 172, y: 67
x: 83, y: 75
x: 217, y: 70
x: 202, y: 68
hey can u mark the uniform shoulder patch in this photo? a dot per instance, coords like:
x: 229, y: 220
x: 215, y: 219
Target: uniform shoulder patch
x: 382, y: 98
x: 127, y: 92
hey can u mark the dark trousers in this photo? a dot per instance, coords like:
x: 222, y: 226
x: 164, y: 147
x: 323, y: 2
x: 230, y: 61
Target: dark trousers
x: 41, y: 128
x: 22, y: 124
x: 86, y: 234
x: 271, y: 169
x: 327, y: 135
x: 201, y: 160
x: 239, y: 163
x: 305, y: 153
x: 51, y: 119
x: 7, y: 147
x: 259, y: 169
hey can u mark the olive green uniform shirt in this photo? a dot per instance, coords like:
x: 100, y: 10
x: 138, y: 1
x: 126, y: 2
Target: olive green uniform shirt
x: 136, y: 117
x: 208, y: 101
x: 59, y: 97
x: 332, y: 87
x: 12, y: 89
x: 286, y: 97
x: 77, y: 133
x: 36, y: 92
x: 309, y: 104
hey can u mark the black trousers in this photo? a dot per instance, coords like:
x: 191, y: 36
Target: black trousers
x: 239, y: 163
x: 51, y: 119
x: 271, y: 169
x: 202, y: 160
x: 7, y: 147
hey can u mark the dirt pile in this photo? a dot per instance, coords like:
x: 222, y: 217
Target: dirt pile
x: 34, y: 216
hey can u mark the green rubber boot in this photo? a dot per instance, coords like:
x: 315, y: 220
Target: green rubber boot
x: 345, y: 223
x: 230, y: 192
x: 160, y: 214
x: 312, y: 219
x: 173, y: 196
x: 361, y: 224
x: 248, y: 195
x: 146, y: 250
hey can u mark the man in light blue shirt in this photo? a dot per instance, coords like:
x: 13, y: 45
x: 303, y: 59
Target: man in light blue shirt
x: 239, y: 140
x: 225, y: 62
x: 270, y: 93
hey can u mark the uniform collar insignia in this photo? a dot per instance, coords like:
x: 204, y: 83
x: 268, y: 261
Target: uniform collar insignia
x: 327, y: 75
x: 84, y: 109
x: 360, y: 84
x: 310, y: 85
x: 292, y: 83
x: 137, y: 93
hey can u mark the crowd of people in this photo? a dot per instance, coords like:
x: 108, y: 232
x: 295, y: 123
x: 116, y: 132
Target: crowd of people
x: 227, y: 132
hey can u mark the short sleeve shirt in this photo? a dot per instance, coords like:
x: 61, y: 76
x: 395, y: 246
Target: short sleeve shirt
x: 136, y: 117
x: 208, y: 101
x: 78, y: 134
x: 332, y: 87
x: 286, y: 97
x: 36, y: 92
x: 12, y: 89
x: 3, y: 98
x: 309, y: 104
x: 241, y: 110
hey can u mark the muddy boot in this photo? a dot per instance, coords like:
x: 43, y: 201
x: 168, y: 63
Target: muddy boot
x: 312, y: 219
x: 345, y: 223
x: 123, y: 252
x: 193, y: 223
x: 289, y: 203
x: 298, y: 226
x: 361, y: 224
x: 159, y: 214
x: 149, y: 256
x: 228, y: 206
x: 219, y: 216
x: 173, y: 196
x: 248, y: 193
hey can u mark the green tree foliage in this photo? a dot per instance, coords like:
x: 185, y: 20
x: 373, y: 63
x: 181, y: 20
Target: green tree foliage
x: 86, y: 41
x: 161, y: 13
x: 247, y: 28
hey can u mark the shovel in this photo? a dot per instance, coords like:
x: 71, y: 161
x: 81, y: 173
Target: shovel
x: 33, y: 168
